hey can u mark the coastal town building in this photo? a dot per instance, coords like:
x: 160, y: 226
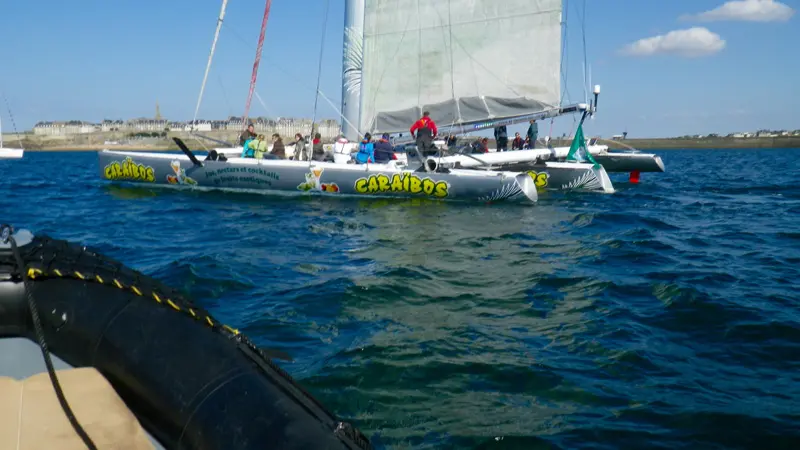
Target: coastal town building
x: 284, y: 126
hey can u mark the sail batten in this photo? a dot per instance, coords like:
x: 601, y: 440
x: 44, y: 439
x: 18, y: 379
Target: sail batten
x: 461, y: 60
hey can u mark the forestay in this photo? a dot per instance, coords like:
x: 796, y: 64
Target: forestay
x: 463, y: 60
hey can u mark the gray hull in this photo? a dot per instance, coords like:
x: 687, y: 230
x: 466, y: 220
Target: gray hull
x: 630, y: 162
x: 304, y: 177
x: 564, y: 176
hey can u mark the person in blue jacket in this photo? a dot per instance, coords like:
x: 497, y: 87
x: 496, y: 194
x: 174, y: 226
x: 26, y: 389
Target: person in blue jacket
x: 247, y: 150
x: 366, y: 151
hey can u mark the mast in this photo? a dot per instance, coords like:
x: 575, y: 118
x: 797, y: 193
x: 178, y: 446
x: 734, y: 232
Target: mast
x: 256, y: 63
x: 352, y: 64
x: 210, y: 57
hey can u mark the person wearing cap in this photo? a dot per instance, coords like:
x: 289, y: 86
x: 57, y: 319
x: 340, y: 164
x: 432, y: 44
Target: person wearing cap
x: 424, y: 131
x: 384, y: 152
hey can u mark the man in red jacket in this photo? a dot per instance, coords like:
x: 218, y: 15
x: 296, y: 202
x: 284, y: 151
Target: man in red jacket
x: 424, y: 130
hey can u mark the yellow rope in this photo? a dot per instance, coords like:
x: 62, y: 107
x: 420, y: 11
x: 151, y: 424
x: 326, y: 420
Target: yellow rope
x: 34, y: 273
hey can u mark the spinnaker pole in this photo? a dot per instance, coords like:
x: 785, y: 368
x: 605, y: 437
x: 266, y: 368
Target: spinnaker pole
x: 256, y: 63
x: 210, y: 57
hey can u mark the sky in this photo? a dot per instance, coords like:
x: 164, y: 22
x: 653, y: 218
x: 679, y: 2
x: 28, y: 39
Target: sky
x: 666, y: 67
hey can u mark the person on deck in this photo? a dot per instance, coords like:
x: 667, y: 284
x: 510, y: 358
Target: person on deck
x: 300, y: 148
x: 480, y: 145
x: 501, y: 137
x: 517, y: 143
x: 451, y: 141
x: 247, y: 134
x: 278, y: 149
x: 366, y: 151
x: 533, y: 134
x: 317, y: 150
x: 384, y: 152
x: 249, y: 148
x: 261, y: 147
x: 424, y: 131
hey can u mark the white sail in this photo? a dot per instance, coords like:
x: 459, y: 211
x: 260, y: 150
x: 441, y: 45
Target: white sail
x: 465, y: 61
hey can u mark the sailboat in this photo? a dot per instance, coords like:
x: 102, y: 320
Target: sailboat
x: 8, y: 153
x: 402, y: 58
x: 393, y: 179
x: 474, y: 65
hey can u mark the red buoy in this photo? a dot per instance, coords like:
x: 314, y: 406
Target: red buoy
x: 634, y: 177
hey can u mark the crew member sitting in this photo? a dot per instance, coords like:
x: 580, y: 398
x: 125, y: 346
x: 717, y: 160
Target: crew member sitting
x: 424, y: 131
x: 480, y: 146
x: 247, y: 134
x: 366, y: 151
x: 384, y: 152
x: 249, y: 148
x: 517, y: 143
x: 259, y: 146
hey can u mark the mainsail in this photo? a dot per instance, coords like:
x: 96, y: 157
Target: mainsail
x: 465, y: 61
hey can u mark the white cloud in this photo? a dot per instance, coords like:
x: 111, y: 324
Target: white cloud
x: 692, y: 42
x: 746, y: 10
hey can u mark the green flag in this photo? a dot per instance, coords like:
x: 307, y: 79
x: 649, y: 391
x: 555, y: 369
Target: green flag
x: 578, y: 151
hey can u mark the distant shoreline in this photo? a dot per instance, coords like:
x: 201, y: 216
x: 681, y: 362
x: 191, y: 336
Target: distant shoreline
x: 36, y: 143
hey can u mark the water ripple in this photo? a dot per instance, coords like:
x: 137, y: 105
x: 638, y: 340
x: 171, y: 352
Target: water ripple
x: 663, y: 316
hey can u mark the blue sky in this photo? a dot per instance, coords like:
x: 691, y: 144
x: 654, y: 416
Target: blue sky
x: 725, y: 66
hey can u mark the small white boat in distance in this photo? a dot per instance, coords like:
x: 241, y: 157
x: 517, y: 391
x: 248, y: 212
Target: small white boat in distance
x: 8, y: 153
x: 11, y: 153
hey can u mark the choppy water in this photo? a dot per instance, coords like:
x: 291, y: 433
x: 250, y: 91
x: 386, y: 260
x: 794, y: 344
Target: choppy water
x: 663, y: 316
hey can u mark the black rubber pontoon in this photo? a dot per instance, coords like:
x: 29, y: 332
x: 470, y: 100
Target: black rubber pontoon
x: 192, y: 382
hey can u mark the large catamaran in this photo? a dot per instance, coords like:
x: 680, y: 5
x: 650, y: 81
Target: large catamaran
x: 310, y: 177
x: 401, y: 58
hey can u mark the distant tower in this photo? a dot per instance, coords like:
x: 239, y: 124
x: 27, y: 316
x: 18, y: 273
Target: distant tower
x: 158, y: 112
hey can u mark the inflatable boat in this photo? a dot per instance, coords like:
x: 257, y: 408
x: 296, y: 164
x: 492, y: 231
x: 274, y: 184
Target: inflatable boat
x: 124, y: 361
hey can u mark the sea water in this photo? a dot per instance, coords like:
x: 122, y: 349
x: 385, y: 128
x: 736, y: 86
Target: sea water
x: 662, y: 316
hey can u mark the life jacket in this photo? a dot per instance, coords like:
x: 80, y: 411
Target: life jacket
x: 366, y: 153
x: 247, y: 151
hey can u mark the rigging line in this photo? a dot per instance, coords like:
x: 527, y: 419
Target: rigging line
x: 294, y: 77
x: 13, y: 125
x: 210, y: 57
x: 319, y: 67
x: 264, y: 105
x: 225, y: 96
x: 582, y: 17
x: 457, y: 113
x: 280, y: 67
x: 419, y: 58
x: 256, y: 62
x: 324, y: 97
x: 386, y: 66
x: 565, y: 55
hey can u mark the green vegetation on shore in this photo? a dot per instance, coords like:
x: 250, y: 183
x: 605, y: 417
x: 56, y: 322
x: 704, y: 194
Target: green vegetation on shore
x: 163, y: 141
